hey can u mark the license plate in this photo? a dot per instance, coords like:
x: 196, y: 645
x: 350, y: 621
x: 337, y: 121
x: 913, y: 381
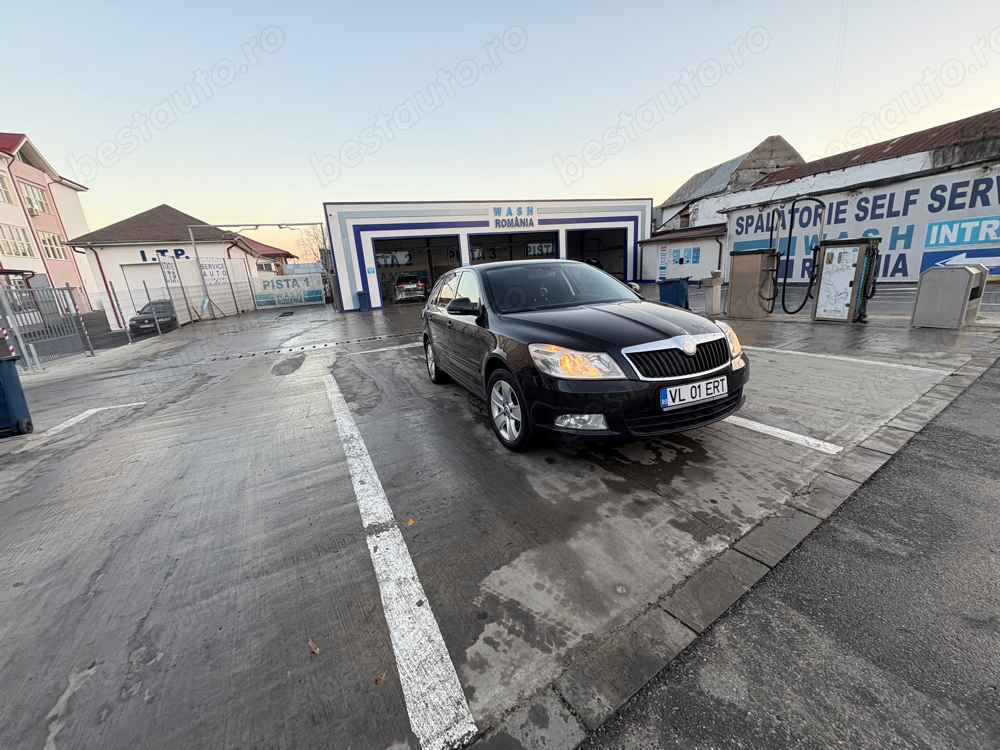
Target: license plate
x: 146, y: 325
x: 691, y: 393
x: 410, y: 286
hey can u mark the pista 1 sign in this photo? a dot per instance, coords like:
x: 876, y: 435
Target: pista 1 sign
x: 283, y: 291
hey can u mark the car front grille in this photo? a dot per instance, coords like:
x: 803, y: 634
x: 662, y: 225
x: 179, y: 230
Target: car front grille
x: 687, y: 417
x: 673, y: 363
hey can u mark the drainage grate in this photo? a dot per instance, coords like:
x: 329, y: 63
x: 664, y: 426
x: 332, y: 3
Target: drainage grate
x: 287, y: 314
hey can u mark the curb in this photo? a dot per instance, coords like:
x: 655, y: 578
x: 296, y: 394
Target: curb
x: 593, y: 689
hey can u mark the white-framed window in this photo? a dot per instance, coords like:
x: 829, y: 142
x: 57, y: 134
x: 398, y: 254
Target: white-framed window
x: 35, y: 197
x: 265, y: 266
x: 14, y: 241
x: 5, y: 195
x: 52, y: 247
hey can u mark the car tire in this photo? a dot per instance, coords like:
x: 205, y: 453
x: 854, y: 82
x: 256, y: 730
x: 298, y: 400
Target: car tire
x: 508, y: 411
x: 433, y: 371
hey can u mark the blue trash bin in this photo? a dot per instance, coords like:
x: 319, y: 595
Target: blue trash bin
x: 363, y: 304
x: 14, y: 416
x: 675, y: 292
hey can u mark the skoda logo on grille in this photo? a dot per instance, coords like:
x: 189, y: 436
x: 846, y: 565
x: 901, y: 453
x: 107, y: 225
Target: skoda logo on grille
x: 689, y: 347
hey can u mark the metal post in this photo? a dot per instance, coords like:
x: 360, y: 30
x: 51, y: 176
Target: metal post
x: 201, y: 272
x: 16, y: 328
x: 34, y: 353
x: 86, y: 336
x: 114, y: 301
x: 229, y: 278
x: 151, y: 307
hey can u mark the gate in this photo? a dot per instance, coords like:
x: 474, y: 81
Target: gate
x: 44, y: 321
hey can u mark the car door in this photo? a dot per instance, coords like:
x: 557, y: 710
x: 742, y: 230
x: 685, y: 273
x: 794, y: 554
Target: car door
x: 438, y: 319
x: 467, y: 338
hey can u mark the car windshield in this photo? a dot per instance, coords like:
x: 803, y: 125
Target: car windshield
x: 161, y: 308
x: 537, y: 286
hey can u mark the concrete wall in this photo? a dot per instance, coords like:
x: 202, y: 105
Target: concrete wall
x: 74, y: 224
x: 661, y: 259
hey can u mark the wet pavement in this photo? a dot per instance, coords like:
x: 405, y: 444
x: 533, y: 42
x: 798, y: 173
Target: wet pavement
x: 168, y: 558
x: 881, y: 630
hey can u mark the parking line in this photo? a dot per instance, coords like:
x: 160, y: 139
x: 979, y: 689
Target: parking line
x: 386, y: 348
x: 439, y: 714
x: 63, y: 426
x: 852, y: 360
x: 791, y: 437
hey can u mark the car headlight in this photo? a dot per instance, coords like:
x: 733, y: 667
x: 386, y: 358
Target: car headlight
x: 735, y: 349
x: 572, y: 365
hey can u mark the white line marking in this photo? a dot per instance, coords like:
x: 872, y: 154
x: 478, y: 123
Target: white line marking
x: 80, y: 417
x: 435, y: 702
x: 852, y: 360
x: 387, y: 348
x: 62, y: 427
x: 791, y: 437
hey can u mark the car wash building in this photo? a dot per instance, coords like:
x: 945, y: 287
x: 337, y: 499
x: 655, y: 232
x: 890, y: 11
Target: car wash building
x: 932, y: 196
x: 373, y: 243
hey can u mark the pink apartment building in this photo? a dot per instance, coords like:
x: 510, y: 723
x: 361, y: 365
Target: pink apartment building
x: 39, y: 211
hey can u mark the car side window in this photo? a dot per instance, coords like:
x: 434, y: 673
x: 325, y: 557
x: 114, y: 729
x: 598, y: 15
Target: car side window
x: 447, y: 293
x: 468, y: 286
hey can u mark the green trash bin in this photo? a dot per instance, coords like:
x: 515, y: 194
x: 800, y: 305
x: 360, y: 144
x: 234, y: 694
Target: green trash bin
x: 14, y: 416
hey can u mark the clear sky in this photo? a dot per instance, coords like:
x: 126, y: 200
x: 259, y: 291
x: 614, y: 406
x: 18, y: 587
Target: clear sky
x: 259, y: 112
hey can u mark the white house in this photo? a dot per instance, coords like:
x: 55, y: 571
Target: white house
x: 150, y: 256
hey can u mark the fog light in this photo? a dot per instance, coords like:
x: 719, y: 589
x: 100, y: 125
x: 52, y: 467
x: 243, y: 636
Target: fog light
x: 582, y: 421
x: 739, y: 363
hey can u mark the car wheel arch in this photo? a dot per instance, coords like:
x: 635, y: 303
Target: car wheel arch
x: 493, y: 363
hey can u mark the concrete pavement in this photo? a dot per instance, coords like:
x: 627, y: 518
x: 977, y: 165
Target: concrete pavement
x: 169, y: 561
x: 881, y: 630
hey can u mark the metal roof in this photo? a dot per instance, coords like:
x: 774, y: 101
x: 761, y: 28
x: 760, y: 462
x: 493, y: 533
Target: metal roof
x: 971, y: 139
x: 708, y: 182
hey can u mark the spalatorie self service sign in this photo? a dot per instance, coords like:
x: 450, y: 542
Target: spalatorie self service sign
x: 952, y: 218
x: 282, y: 291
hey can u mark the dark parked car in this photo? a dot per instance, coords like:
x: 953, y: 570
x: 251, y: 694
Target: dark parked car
x: 409, y: 286
x: 143, y: 321
x: 560, y: 347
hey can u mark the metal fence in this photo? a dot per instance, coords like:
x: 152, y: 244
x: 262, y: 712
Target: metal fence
x: 42, y: 324
x: 220, y: 288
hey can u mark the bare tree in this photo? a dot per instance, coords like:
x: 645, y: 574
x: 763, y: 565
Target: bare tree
x: 312, y: 240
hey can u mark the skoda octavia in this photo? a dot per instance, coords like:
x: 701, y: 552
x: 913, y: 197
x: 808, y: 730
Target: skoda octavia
x: 563, y: 348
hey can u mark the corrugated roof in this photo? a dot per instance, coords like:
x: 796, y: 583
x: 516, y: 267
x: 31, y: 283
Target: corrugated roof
x: 982, y: 130
x: 708, y: 182
x: 161, y: 224
x: 268, y: 251
x: 10, y: 142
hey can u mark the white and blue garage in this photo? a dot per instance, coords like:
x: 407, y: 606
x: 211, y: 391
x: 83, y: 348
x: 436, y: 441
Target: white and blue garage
x: 373, y: 243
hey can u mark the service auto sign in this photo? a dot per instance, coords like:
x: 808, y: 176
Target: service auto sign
x: 946, y: 219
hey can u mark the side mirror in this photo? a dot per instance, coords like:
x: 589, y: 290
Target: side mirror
x: 462, y: 306
x: 635, y: 288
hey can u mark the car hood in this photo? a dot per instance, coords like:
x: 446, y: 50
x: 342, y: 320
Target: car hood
x: 615, y: 325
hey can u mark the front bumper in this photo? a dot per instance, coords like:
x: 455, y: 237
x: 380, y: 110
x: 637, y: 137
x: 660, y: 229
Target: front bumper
x: 630, y: 407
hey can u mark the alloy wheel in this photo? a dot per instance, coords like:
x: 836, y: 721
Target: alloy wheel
x: 506, y: 411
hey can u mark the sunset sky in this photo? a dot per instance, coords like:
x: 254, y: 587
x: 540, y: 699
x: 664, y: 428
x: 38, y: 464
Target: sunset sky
x: 232, y: 112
